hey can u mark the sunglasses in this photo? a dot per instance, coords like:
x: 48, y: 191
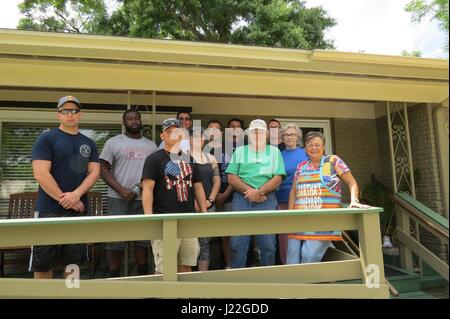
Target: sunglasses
x: 184, y: 118
x: 71, y: 111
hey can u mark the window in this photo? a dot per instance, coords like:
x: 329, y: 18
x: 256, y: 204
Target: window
x: 17, y: 139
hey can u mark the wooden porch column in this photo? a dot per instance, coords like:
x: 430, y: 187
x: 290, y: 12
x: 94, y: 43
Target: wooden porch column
x: 369, y: 238
x: 170, y: 268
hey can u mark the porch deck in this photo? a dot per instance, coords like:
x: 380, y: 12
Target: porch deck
x: 290, y: 281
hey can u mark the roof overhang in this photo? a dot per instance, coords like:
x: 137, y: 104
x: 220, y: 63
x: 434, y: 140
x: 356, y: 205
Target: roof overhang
x: 55, y: 60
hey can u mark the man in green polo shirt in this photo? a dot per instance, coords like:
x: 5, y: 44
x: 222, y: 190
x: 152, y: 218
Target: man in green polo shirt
x: 255, y: 172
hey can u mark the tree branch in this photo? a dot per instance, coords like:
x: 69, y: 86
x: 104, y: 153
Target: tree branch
x: 60, y: 14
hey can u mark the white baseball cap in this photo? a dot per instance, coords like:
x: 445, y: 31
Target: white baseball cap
x: 257, y: 125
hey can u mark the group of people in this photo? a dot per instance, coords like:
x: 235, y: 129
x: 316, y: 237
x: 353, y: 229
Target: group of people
x: 193, y: 169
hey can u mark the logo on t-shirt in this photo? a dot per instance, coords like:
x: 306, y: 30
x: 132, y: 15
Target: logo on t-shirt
x: 85, y: 150
x: 179, y: 175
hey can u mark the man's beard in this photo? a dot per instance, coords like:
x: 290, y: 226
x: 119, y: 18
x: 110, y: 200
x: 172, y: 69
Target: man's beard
x: 133, y: 130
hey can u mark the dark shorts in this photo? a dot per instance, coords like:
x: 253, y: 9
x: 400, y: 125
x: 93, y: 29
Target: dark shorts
x: 117, y: 207
x: 44, y: 258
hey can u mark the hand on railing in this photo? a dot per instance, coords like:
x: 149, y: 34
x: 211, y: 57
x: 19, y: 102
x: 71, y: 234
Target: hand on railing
x: 356, y: 204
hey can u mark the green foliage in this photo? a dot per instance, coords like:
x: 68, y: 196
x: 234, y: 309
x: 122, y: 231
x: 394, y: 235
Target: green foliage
x: 286, y: 24
x: 75, y: 16
x: 377, y: 194
x: 412, y: 53
x: 437, y: 9
x: 275, y: 23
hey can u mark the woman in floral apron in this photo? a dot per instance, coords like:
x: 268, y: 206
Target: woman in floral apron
x: 317, y: 185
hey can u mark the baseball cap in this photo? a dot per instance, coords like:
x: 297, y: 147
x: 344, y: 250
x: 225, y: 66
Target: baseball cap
x: 68, y: 98
x: 257, y: 125
x: 170, y: 122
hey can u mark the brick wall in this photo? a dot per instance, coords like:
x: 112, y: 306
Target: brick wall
x: 424, y: 156
x: 356, y: 142
x: 384, y: 153
x: 425, y: 163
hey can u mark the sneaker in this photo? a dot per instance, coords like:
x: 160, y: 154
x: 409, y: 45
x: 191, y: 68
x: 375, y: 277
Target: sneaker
x: 387, y: 242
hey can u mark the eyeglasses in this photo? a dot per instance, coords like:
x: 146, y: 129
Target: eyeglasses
x: 184, y: 118
x: 290, y: 135
x: 71, y: 111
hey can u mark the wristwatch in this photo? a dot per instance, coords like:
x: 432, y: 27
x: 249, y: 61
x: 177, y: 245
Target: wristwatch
x: 261, y: 192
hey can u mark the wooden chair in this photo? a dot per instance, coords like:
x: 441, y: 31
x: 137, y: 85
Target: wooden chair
x: 22, y: 205
x: 95, y: 206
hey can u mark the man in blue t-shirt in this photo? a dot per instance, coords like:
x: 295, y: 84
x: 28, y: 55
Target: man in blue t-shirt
x: 66, y: 165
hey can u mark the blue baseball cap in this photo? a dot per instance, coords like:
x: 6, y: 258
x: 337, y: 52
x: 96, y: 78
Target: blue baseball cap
x: 66, y: 99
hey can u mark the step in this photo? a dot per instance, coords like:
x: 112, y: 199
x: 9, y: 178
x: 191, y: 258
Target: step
x: 414, y: 295
x: 402, y: 280
x: 434, y: 281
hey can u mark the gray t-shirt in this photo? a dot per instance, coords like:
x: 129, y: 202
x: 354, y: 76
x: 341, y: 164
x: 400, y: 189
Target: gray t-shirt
x: 127, y: 157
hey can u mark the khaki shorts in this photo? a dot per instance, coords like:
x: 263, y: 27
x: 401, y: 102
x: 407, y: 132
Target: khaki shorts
x: 188, y: 250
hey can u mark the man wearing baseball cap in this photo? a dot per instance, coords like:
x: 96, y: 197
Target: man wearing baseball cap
x: 66, y: 165
x: 170, y: 182
x: 68, y: 99
x: 255, y: 172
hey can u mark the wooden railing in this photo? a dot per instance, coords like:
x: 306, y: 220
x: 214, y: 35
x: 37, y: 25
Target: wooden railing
x: 315, y: 280
x: 410, y: 209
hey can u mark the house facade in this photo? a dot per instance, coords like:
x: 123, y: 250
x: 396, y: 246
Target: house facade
x: 386, y: 116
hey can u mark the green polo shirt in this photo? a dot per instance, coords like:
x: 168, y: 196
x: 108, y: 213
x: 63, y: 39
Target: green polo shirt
x: 256, y: 168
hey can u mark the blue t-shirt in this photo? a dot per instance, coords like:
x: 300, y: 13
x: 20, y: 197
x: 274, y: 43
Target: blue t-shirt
x: 291, y: 160
x: 70, y: 155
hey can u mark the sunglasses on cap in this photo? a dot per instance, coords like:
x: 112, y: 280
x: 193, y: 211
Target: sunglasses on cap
x: 170, y: 122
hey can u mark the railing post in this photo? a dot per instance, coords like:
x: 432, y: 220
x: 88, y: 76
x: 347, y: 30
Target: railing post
x: 370, y: 246
x: 170, y: 265
x: 405, y: 253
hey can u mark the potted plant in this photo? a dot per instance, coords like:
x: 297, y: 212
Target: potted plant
x: 376, y: 193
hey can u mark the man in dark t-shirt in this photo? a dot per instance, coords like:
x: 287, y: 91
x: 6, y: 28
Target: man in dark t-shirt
x: 170, y: 182
x: 66, y: 165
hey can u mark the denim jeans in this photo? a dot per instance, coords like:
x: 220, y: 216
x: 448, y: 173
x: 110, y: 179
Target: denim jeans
x: 306, y: 251
x: 266, y: 243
